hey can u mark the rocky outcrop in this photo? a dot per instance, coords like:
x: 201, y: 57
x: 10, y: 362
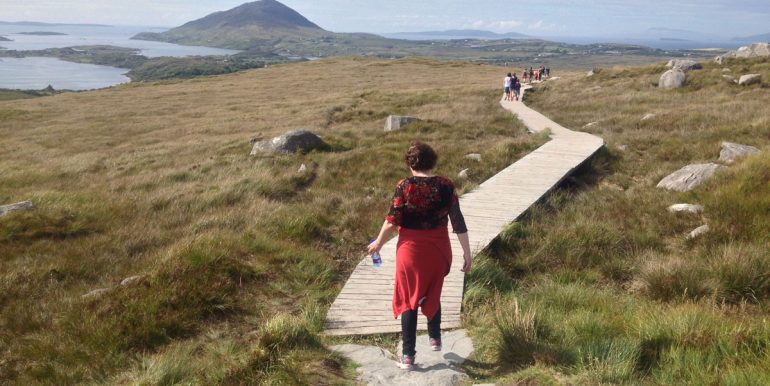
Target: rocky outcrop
x: 299, y: 141
x: 749, y: 79
x: 756, y: 50
x: 464, y: 174
x: 688, y: 177
x: 648, y: 117
x: 473, y: 156
x: 5, y: 209
x: 671, y: 79
x: 733, y: 151
x: 396, y: 122
x: 698, y: 232
x: 685, y: 208
x: 684, y: 64
x: 95, y: 294
x: 129, y: 281
x: 379, y: 367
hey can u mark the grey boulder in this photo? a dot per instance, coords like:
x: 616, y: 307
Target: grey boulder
x: 674, y: 78
x: 733, y: 151
x: 129, y: 281
x: 685, y: 208
x: 647, y: 117
x: 749, y: 79
x: 442, y: 368
x: 396, y: 122
x: 474, y: 156
x: 756, y: 50
x: 688, y: 177
x: 298, y: 141
x: 464, y: 174
x: 684, y: 64
x: 698, y: 232
x: 25, y: 205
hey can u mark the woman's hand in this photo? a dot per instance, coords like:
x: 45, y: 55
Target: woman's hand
x: 468, y: 263
x: 375, y: 246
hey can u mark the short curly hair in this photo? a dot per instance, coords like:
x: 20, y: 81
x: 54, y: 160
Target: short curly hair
x: 421, y: 156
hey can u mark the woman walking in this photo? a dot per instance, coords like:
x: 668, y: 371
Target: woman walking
x: 422, y: 207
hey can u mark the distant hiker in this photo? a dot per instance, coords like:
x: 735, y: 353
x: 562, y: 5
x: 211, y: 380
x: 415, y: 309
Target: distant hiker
x: 516, y: 87
x: 507, y: 87
x: 531, y: 74
x: 524, y: 75
x: 422, y: 207
x: 548, y: 72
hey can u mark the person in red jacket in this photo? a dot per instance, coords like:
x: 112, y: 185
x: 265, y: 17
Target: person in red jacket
x: 421, y: 209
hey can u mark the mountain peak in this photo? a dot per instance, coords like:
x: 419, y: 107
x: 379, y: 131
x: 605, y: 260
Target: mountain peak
x: 263, y: 13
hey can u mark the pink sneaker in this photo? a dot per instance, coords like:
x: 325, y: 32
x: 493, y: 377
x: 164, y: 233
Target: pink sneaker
x: 435, y: 344
x: 407, y: 363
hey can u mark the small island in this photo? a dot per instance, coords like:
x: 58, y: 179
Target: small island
x: 42, y: 33
x: 5, y: 39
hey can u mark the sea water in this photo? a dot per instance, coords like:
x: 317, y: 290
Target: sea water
x: 37, y: 73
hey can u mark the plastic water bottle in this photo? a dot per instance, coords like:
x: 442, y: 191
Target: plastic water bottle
x: 376, y: 258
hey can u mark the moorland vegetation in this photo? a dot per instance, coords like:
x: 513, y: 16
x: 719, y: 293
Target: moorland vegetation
x: 600, y: 284
x: 232, y: 260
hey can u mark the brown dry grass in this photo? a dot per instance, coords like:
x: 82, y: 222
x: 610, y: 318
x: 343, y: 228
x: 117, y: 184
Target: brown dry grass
x: 155, y: 179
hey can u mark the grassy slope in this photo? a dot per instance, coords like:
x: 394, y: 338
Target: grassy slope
x: 241, y: 254
x: 605, y: 287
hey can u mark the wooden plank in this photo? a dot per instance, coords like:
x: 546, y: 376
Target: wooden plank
x: 364, y: 304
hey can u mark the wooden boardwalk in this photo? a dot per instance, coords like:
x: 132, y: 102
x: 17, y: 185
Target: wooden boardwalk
x: 363, y: 306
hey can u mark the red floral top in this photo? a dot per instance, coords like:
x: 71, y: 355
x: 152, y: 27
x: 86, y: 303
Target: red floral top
x: 426, y: 203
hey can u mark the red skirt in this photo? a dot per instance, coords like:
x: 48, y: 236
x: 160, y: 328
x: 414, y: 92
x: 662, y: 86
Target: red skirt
x: 423, y: 258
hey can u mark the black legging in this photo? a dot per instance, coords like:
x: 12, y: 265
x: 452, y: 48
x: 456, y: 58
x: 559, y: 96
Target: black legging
x: 409, y: 330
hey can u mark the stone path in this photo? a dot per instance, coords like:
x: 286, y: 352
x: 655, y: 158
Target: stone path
x: 364, y: 304
x: 379, y: 367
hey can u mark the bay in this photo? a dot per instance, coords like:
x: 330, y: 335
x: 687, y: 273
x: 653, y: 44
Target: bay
x: 37, y: 73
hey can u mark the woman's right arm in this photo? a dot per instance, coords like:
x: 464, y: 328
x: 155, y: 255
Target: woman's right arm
x: 386, y: 232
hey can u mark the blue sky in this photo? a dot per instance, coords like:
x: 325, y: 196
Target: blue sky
x: 541, y: 17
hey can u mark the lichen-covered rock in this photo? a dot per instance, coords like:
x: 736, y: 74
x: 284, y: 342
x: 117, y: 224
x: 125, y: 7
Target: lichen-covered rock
x: 671, y: 79
x: 698, y: 232
x: 647, y: 117
x: 464, y: 174
x: 396, y: 122
x: 474, y: 156
x: 688, y: 177
x: 684, y: 64
x: 685, y: 208
x: 732, y: 151
x: 749, y: 79
x: 25, y: 205
x: 755, y: 50
x: 298, y: 141
x: 95, y: 294
x: 129, y: 281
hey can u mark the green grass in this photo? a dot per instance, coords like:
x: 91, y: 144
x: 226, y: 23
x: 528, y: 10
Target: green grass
x: 241, y: 255
x: 606, y: 287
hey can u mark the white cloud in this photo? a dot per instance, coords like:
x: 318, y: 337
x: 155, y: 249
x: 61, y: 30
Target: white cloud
x: 505, y: 26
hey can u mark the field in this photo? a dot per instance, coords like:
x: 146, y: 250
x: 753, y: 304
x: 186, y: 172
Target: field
x: 599, y: 285
x: 235, y: 258
x: 238, y: 257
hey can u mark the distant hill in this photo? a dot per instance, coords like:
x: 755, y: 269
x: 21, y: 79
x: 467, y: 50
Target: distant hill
x: 249, y: 26
x: 5, y: 39
x: 455, y: 34
x: 754, y: 38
